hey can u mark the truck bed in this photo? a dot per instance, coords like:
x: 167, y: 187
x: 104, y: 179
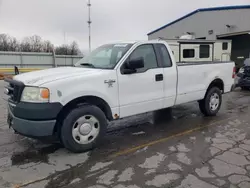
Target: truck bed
x: 195, y: 77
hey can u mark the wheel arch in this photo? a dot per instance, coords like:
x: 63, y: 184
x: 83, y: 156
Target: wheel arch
x: 93, y: 100
x: 216, y: 83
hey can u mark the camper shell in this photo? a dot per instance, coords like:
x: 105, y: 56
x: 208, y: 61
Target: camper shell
x: 199, y: 50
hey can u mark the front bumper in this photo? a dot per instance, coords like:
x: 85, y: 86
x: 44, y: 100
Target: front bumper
x: 33, y: 120
x: 31, y: 128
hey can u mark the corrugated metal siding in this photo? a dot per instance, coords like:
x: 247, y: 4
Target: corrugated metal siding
x: 201, y: 22
x: 35, y: 60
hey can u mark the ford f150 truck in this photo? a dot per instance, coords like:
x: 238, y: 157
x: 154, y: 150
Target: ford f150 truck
x: 114, y: 81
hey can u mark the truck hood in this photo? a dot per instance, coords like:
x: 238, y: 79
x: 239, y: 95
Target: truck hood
x: 37, y: 78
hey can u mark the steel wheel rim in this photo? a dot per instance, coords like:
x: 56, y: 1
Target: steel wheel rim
x: 85, y: 129
x: 214, y: 101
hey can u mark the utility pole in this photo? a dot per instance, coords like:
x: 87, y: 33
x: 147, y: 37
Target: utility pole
x: 89, y: 23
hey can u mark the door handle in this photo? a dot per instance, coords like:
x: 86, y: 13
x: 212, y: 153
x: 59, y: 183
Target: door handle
x: 158, y: 77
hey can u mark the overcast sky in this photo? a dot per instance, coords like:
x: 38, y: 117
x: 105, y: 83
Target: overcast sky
x: 113, y: 20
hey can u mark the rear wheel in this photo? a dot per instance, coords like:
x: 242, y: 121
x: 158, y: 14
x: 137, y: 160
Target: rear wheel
x: 83, y: 128
x: 211, y: 104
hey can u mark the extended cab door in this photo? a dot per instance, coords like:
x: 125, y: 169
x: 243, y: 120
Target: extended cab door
x: 141, y: 91
x: 170, y: 74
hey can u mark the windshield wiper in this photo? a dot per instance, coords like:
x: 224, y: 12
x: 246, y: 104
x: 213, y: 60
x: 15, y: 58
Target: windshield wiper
x: 88, y: 64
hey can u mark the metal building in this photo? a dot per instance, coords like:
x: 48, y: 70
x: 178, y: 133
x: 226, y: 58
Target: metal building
x: 231, y: 22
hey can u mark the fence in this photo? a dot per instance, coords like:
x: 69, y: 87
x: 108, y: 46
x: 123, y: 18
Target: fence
x: 28, y: 61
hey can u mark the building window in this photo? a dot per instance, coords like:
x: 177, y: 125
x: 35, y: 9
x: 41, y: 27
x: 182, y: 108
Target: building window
x: 224, y: 46
x: 204, y: 51
x: 188, y: 53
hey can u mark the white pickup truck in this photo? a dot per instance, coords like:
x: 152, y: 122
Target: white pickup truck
x: 114, y: 81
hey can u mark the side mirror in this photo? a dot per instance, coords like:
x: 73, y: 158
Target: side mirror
x: 131, y: 66
x: 135, y: 63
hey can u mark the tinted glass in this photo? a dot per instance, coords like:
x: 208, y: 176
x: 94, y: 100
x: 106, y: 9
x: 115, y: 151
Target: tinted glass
x: 148, y: 54
x: 224, y: 46
x: 204, y: 51
x: 166, y: 60
x: 188, y: 53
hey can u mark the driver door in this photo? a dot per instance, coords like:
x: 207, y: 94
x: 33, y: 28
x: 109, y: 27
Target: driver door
x: 142, y: 91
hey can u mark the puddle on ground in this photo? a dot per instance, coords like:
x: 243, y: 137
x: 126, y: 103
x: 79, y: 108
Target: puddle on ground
x: 34, y: 155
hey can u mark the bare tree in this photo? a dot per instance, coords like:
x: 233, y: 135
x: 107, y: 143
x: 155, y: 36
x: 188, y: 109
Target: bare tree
x: 8, y: 43
x: 74, y: 48
x: 25, y: 45
x: 47, y: 46
x: 14, y: 45
x: 4, y: 42
x: 32, y: 44
x: 36, y: 44
x: 62, y: 50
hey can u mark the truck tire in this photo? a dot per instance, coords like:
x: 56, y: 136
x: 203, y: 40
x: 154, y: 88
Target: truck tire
x: 83, y: 128
x: 211, y: 104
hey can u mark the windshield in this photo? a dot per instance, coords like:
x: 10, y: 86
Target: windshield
x: 104, y: 57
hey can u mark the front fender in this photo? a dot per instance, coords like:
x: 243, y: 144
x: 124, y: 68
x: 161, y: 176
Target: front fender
x: 66, y: 99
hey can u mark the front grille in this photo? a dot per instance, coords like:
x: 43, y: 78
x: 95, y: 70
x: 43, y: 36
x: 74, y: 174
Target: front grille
x: 14, y: 90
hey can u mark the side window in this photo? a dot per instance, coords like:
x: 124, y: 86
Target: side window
x: 146, y: 52
x: 188, y: 53
x: 224, y: 46
x: 204, y: 51
x: 166, y: 60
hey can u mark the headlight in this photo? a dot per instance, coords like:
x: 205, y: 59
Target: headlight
x: 35, y: 94
x: 241, y: 70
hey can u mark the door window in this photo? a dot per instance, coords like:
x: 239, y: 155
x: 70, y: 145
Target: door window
x: 148, y: 54
x: 166, y: 60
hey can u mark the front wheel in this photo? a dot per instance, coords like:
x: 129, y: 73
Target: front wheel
x: 211, y: 104
x: 83, y: 128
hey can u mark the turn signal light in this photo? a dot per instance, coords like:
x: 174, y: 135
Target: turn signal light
x: 45, y: 93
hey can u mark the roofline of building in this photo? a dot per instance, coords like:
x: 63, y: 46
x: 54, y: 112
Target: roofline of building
x: 194, y: 40
x: 202, y: 10
x: 233, y: 34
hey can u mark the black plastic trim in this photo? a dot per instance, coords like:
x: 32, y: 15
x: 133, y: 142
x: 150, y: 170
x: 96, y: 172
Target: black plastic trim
x: 17, y: 89
x: 36, y: 111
